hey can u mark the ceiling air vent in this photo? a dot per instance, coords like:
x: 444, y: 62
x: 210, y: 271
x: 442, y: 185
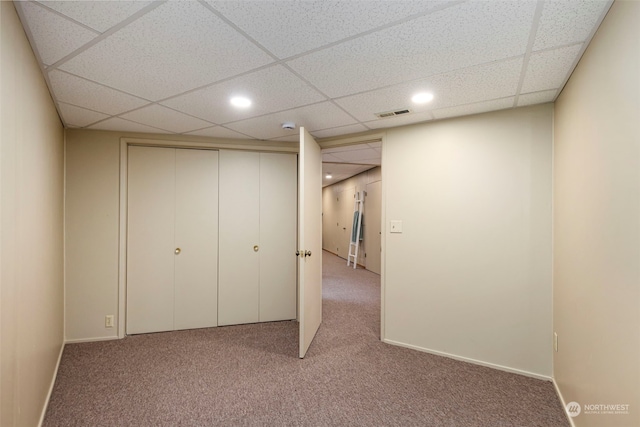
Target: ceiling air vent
x: 392, y: 113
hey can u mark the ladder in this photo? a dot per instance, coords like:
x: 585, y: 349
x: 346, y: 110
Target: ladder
x: 356, y: 228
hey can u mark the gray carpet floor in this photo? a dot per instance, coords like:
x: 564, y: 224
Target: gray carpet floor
x: 249, y: 375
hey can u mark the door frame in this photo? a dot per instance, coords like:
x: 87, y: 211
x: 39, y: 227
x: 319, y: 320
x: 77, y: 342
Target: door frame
x: 360, y: 139
x: 125, y: 142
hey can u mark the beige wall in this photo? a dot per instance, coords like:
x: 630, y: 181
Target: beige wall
x: 31, y: 211
x: 332, y: 212
x: 92, y: 225
x: 91, y: 233
x: 597, y: 223
x: 470, y: 275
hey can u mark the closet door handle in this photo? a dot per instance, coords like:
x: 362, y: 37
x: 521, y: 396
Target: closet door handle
x: 256, y: 248
x: 178, y: 250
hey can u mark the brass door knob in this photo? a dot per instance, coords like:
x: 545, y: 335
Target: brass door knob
x: 178, y: 251
x: 256, y: 248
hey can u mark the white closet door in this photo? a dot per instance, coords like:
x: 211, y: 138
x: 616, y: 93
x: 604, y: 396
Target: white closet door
x: 150, y: 256
x: 196, y: 235
x: 278, y: 219
x: 239, y: 263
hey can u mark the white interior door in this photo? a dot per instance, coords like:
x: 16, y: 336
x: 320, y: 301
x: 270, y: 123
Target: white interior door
x: 238, y: 286
x: 372, y: 225
x: 309, y: 239
x: 196, y: 237
x: 150, y: 239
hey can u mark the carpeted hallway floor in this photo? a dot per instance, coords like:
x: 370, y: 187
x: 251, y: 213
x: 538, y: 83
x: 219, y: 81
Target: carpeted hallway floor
x: 249, y: 375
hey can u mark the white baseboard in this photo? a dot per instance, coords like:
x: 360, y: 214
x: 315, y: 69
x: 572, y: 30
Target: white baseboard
x: 78, y: 340
x: 468, y: 360
x: 564, y: 403
x: 53, y: 381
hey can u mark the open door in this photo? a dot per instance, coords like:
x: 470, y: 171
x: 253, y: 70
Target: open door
x: 309, y: 239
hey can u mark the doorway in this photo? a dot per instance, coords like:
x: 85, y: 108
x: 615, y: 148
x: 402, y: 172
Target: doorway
x: 348, y: 172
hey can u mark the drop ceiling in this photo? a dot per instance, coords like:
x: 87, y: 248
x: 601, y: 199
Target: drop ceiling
x: 171, y: 67
x: 344, y: 162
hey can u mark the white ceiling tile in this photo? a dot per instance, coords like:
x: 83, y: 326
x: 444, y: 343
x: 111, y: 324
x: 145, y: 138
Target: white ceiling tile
x: 174, y: 48
x: 473, y: 84
x: 218, y: 132
x: 356, y: 156
x: 290, y: 28
x: 340, y: 148
x: 537, y: 97
x: 404, y: 119
x: 458, y: 37
x: 288, y: 138
x: 74, y: 90
x: 318, y: 116
x: 55, y: 36
x: 567, y: 21
x: 99, y: 15
x: 344, y: 168
x: 118, y: 124
x: 478, y: 107
x: 272, y: 89
x: 165, y: 118
x: 328, y: 157
x: 343, y: 130
x: 549, y: 69
x: 341, y: 171
x: 77, y: 116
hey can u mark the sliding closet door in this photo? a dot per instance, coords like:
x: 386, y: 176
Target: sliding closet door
x: 196, y: 237
x: 278, y: 219
x: 238, y: 290
x: 150, y: 255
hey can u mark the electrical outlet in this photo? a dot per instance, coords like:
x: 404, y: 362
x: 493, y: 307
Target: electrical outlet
x: 555, y: 341
x: 108, y: 321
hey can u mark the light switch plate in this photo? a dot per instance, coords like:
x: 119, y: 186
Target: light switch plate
x: 396, y: 226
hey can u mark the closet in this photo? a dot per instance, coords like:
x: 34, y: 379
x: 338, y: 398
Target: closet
x: 211, y: 238
x: 172, y: 239
x: 258, y: 221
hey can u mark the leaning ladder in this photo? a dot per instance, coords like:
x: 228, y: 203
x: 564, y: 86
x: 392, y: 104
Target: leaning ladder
x: 356, y: 226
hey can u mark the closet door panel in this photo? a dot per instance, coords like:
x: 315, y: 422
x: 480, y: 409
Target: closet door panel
x: 278, y: 227
x: 196, y: 235
x: 150, y: 237
x: 239, y: 264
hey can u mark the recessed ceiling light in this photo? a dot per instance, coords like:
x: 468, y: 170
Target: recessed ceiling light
x: 328, y: 176
x: 422, y: 97
x: 240, y: 102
